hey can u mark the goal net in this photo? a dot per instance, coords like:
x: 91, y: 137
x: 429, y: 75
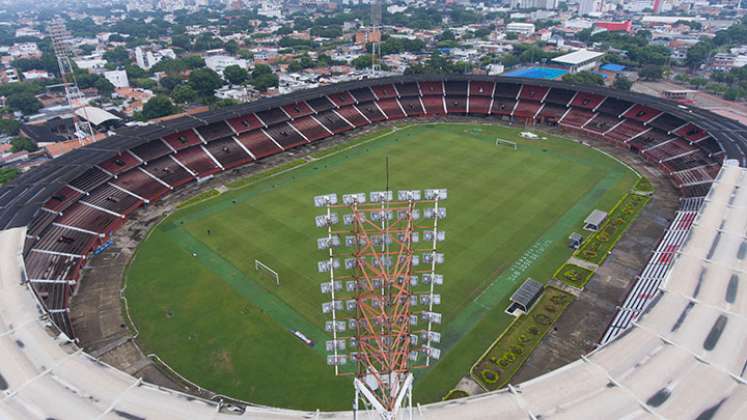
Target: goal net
x: 264, y: 268
x: 503, y: 142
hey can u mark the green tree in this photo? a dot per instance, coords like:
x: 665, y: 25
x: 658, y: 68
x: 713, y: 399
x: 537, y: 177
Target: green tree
x: 158, y: 106
x: 733, y: 93
x: 223, y: 103
x: 207, y: 42
x: 8, y: 174
x: 651, y: 72
x: 24, y: 102
x: 145, y: 83
x: 168, y: 83
x: 295, y: 66
x: 184, y: 94
x: 135, y: 72
x: 584, y: 78
x: 118, y: 55
x: 265, y: 81
x: 9, y: 127
x: 362, y: 62
x: 23, y: 144
x: 231, y: 47
x: 622, y: 83
x: 205, y: 81
x: 104, y: 87
x: 182, y: 41
x: 699, y: 53
x: 261, y: 69
x: 235, y: 75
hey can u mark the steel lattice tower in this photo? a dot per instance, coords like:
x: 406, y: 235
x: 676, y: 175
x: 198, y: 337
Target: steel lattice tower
x: 376, y: 36
x: 380, y: 290
x: 61, y: 45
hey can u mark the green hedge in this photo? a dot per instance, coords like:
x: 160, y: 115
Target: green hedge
x: 598, y: 246
x: 573, y: 275
x: 643, y: 185
x: 508, y: 353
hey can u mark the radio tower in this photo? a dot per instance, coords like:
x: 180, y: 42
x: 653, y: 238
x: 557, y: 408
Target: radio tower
x: 380, y: 278
x: 375, y: 37
x: 61, y: 45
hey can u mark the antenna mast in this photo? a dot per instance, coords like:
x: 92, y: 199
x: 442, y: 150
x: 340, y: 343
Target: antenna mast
x: 375, y: 36
x: 61, y: 44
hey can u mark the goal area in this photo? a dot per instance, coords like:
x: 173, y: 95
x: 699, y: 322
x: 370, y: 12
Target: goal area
x: 264, y: 268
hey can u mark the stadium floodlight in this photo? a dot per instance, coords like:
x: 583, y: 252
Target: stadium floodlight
x: 387, y: 291
x: 408, y: 195
x: 357, y: 198
x: 433, y: 194
x: 324, y: 200
x: 379, y: 196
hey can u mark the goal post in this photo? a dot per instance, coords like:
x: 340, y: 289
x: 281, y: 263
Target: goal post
x: 503, y: 142
x: 260, y: 266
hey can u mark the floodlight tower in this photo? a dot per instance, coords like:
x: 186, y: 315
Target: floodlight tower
x: 379, y: 292
x: 61, y: 45
x: 375, y: 36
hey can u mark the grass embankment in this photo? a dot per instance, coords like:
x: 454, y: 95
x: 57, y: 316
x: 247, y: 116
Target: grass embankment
x: 503, y: 359
x: 597, y: 248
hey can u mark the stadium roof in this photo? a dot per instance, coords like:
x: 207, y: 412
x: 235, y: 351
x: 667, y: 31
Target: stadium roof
x: 95, y: 116
x: 577, y: 57
x: 527, y: 292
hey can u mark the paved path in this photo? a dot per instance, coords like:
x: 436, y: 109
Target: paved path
x: 583, y: 263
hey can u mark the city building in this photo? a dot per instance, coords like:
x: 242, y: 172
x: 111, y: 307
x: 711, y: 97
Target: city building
x: 625, y: 26
x: 578, y: 60
x: 24, y: 50
x: 367, y: 35
x: 36, y: 75
x: 534, y: 4
x: 218, y: 63
x: 94, y: 63
x: 520, y: 28
x: 118, y: 78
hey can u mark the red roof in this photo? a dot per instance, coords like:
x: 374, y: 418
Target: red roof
x: 626, y: 26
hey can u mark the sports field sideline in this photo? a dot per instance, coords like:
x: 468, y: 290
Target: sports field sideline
x: 218, y: 322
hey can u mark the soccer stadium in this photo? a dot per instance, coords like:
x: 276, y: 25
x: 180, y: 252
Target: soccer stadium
x: 589, y: 267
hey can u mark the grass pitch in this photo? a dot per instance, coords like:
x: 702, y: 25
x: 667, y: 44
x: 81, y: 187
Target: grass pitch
x: 225, y: 326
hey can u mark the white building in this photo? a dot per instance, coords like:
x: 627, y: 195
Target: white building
x: 579, y: 60
x: 495, y: 69
x: 93, y: 63
x: 271, y: 9
x: 218, y: 63
x: 534, y: 4
x: 36, y: 75
x: 586, y: 7
x: 520, y: 28
x: 24, y: 50
x: 118, y: 78
x: 147, y: 59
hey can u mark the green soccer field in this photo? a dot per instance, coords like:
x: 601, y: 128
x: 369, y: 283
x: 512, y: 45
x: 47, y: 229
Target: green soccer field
x: 199, y: 303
